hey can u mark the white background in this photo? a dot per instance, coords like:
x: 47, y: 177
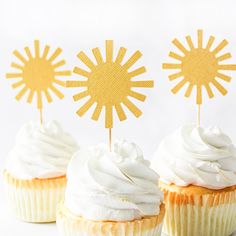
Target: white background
x: 147, y: 25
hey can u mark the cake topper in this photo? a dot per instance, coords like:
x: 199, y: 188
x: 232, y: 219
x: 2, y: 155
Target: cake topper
x: 109, y: 83
x: 37, y: 75
x: 199, y: 67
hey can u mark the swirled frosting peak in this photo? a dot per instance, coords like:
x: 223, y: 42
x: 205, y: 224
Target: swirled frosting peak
x: 41, y: 151
x: 117, y: 185
x: 199, y: 156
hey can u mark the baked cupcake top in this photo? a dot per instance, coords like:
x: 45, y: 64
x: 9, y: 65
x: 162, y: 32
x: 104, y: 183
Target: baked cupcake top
x: 41, y: 151
x: 115, y: 186
x: 199, y: 156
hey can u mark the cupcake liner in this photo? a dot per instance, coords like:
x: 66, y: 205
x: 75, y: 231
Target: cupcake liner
x: 34, y: 200
x: 71, y: 225
x: 189, y: 214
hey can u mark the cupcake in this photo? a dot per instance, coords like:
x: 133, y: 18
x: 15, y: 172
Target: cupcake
x: 35, y: 173
x: 111, y: 193
x: 197, y: 169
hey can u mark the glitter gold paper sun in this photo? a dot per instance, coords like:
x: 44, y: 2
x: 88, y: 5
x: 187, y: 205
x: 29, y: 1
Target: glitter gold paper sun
x: 109, y: 84
x: 37, y: 74
x: 200, y: 67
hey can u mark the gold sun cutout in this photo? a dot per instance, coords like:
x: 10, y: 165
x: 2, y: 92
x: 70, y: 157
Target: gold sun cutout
x: 200, y: 67
x: 109, y: 84
x: 38, y: 74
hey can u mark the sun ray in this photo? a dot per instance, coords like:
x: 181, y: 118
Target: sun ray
x: 38, y: 74
x: 21, y: 93
x: 109, y: 84
x: 82, y: 72
x: 84, y: 108
x: 36, y: 48
x: 145, y: 83
x: 85, y: 59
x: 48, y: 96
x: 16, y: 66
x: 180, y: 46
x: 137, y: 72
x: 14, y: 75
x: 210, y: 42
x: 199, y: 67
x: 97, y: 112
x: 219, y: 87
x: 56, y: 53
x: 189, y: 90
x: 199, y: 95
x: 179, y: 85
x: 131, y: 61
x: 72, y: 84
x: 28, y: 53
x: 45, y: 51
x: 59, y: 64
x: 18, y: 84
x: 81, y: 95
x: 137, y: 95
x: 175, y: 76
x: 171, y: 66
x: 19, y: 56
x: 109, y: 50
x: 56, y: 91
x: 133, y: 108
x: 224, y: 57
x: 98, y: 56
x: 62, y: 73
x: 120, y: 112
x: 30, y: 97
x: 220, y: 47
x: 39, y: 100
x: 223, y: 77
x: 59, y: 82
x: 190, y: 42
x: 227, y: 67
x: 108, y: 116
x: 175, y: 56
x: 120, y: 55
x: 199, y: 38
x: 209, y: 91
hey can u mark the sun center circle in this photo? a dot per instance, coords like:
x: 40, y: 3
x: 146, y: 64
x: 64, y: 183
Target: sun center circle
x: 109, y: 83
x: 198, y: 65
x: 38, y: 74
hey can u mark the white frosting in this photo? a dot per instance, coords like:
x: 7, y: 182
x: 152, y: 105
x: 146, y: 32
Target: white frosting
x: 198, y: 156
x: 41, y: 151
x: 116, y: 186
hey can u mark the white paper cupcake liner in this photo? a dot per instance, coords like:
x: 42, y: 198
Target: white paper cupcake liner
x: 200, y: 215
x: 71, y: 225
x: 34, y: 200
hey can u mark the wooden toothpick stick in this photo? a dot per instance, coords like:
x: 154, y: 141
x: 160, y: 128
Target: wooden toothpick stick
x: 198, y: 115
x: 41, y: 116
x: 110, y: 140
